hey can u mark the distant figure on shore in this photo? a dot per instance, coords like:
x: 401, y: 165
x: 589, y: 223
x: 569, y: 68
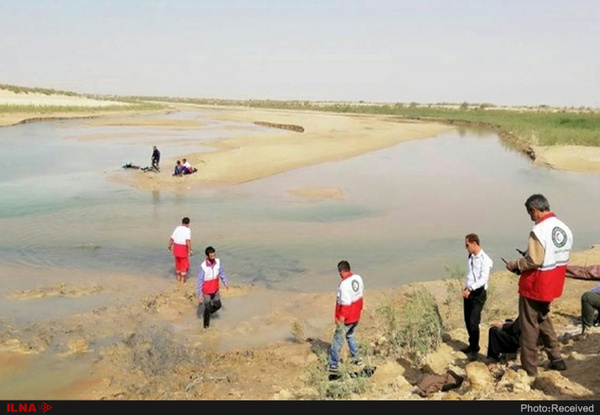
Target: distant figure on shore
x: 178, y: 171
x: 187, y: 167
x: 155, y: 158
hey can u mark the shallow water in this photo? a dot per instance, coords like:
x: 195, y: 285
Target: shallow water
x: 403, y: 218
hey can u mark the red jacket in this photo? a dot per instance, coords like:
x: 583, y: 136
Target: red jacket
x: 546, y: 282
x: 349, y: 303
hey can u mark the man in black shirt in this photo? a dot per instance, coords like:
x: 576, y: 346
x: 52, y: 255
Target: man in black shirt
x: 155, y: 158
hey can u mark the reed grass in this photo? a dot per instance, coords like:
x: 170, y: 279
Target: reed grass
x: 542, y: 125
x: 46, y: 91
x: 133, y: 104
x: 48, y: 109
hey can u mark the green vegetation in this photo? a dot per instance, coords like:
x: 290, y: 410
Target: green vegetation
x: 454, y: 286
x: 406, y: 328
x: 415, y: 329
x: 46, y: 91
x: 541, y: 125
x: 48, y: 109
x: 343, y: 388
x: 134, y: 104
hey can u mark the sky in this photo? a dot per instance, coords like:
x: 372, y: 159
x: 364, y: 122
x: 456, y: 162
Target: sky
x: 502, y: 52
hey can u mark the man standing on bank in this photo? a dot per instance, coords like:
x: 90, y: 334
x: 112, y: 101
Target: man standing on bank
x: 180, y: 245
x: 155, y: 158
x: 211, y: 271
x: 543, y: 269
x: 474, y: 293
x: 348, y: 308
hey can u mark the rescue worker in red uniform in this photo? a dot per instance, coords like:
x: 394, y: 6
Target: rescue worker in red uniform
x: 348, y: 308
x: 542, y: 279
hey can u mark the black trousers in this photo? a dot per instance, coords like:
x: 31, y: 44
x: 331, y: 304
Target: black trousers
x: 212, y: 303
x: 501, y: 341
x: 472, y: 308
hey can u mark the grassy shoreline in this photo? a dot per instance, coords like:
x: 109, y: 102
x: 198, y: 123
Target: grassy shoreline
x: 524, y: 127
x: 21, y: 114
x: 50, y: 109
x: 521, y: 127
x: 51, y: 104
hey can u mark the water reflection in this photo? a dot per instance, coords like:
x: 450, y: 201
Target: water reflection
x: 156, y: 197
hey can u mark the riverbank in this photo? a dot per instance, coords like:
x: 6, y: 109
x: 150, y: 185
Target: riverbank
x: 328, y: 135
x: 22, y: 107
x: 149, y: 344
x: 325, y: 138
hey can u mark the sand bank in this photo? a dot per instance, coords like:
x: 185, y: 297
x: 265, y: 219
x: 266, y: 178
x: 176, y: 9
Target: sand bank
x: 569, y: 158
x: 326, y: 137
x: 73, y: 107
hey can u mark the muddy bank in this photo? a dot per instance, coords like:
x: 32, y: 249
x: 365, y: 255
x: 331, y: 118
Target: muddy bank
x: 265, y: 345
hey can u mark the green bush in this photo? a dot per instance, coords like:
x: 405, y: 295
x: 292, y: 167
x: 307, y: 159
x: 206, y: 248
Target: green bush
x: 537, y: 126
x: 454, y: 284
x: 343, y: 388
x: 47, y: 109
x: 415, y: 328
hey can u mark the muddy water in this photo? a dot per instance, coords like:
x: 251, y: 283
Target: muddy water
x: 399, y: 216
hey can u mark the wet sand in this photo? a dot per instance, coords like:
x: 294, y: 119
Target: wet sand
x: 326, y: 137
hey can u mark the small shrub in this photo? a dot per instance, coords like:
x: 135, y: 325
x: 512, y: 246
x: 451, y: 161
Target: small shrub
x: 453, y: 301
x: 415, y: 328
x: 422, y: 328
x: 346, y: 386
x: 391, y: 320
x: 495, y: 305
x: 317, y: 378
x: 342, y: 388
